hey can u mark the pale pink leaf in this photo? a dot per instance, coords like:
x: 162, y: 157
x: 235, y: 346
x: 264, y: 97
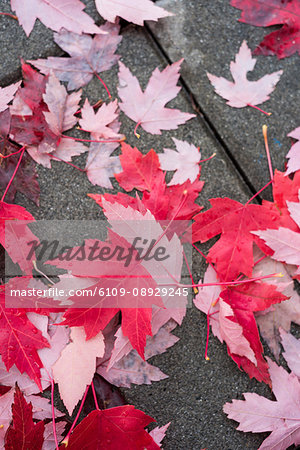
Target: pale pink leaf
x: 130, y: 10
x: 294, y: 210
x: 243, y: 92
x: 205, y: 299
x: 98, y: 123
x: 42, y: 408
x: 185, y: 161
x: 122, y: 345
x: 117, y: 371
x: 131, y: 369
x: 54, y: 14
x: 89, y: 56
x: 100, y: 165
x: 291, y: 352
x: 282, y: 417
x: 49, y: 440
x: 65, y: 150
x: 232, y: 333
x: 281, y: 314
x: 7, y: 94
x: 148, y: 108
x: 62, y: 106
x: 158, y: 433
x: 294, y: 154
x: 284, y: 242
x: 75, y: 369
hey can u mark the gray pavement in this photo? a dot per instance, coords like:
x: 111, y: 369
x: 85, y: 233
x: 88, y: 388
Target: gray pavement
x: 208, y: 36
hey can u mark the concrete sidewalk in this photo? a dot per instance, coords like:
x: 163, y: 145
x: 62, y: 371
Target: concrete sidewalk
x: 208, y: 36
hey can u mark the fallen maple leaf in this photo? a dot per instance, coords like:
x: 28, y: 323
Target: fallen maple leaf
x: 293, y: 155
x: 131, y: 368
x: 143, y: 172
x: 243, y: 92
x: 99, y: 123
x: 185, y: 161
x: 130, y: 10
x: 282, y: 314
x: 284, y: 242
x: 13, y: 226
x: 291, y: 353
x: 54, y: 14
x: 285, y: 190
x: 23, y: 433
x: 113, y: 428
x: 7, y: 94
x: 232, y: 254
x: 148, y: 108
x: 230, y: 314
x: 19, y: 341
x: 258, y: 414
x: 283, y: 42
x: 25, y: 180
x: 140, y: 171
x: 100, y: 165
x: 52, y: 112
x: 89, y: 56
x: 75, y: 368
x: 158, y: 433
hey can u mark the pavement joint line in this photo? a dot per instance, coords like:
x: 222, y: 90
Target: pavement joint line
x: 202, y: 115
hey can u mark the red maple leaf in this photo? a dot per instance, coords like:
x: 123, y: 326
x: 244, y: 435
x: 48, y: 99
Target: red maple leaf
x: 20, y: 340
x: 28, y: 123
x: 264, y: 13
x: 232, y: 254
x: 284, y: 189
x: 23, y: 433
x: 244, y: 300
x: 165, y: 202
x: 16, y: 213
x: 120, y: 428
x: 136, y: 310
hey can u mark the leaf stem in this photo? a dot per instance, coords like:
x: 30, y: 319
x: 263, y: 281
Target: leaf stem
x: 11, y: 154
x: 95, y: 396
x: 70, y: 164
x: 14, y: 174
x: 93, y: 140
x: 207, y: 337
x: 9, y: 15
x: 66, y: 439
x: 207, y: 159
x: 265, y: 128
x: 224, y: 283
x: 189, y: 270
x: 136, y: 127
x: 261, y: 110
x: 104, y: 85
x: 257, y: 193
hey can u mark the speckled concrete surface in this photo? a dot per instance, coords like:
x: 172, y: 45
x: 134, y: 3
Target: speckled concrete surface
x: 193, y: 395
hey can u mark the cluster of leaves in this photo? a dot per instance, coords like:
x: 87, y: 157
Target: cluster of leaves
x: 241, y: 290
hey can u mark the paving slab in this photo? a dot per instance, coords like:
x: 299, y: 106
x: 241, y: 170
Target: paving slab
x: 208, y: 35
x: 193, y: 395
